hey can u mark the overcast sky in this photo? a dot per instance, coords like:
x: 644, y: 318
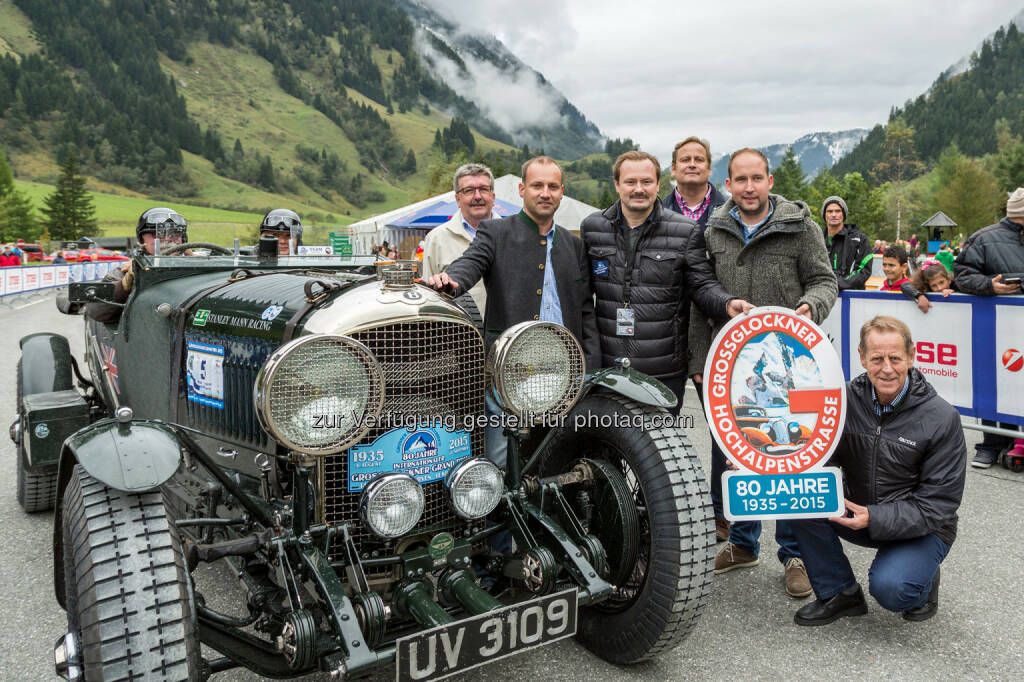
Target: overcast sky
x: 739, y: 73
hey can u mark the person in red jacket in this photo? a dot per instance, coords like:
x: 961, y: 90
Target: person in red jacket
x: 8, y: 257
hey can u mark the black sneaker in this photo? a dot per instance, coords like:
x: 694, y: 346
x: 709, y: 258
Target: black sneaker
x: 984, y: 459
x: 820, y: 612
x: 929, y: 608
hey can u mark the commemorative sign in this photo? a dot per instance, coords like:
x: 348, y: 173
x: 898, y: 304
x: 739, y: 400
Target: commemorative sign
x: 775, y: 398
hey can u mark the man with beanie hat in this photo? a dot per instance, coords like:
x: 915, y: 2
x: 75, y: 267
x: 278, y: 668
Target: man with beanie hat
x: 849, y: 251
x: 989, y: 258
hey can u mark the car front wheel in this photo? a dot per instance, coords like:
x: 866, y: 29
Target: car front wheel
x: 129, y: 603
x: 659, y: 600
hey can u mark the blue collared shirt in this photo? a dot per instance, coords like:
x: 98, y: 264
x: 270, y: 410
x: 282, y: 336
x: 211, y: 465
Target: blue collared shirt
x: 749, y: 230
x: 470, y: 230
x: 881, y: 409
x: 550, y: 305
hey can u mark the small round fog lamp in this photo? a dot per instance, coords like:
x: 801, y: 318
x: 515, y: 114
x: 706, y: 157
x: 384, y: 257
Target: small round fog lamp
x: 475, y: 487
x: 391, y: 505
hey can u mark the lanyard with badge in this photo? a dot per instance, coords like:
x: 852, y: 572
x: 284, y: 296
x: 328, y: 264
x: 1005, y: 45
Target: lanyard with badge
x: 625, y: 319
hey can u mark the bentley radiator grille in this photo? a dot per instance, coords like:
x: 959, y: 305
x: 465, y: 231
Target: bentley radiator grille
x: 433, y: 374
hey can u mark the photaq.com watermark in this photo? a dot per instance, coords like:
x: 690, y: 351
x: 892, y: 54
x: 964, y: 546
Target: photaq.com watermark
x: 469, y: 422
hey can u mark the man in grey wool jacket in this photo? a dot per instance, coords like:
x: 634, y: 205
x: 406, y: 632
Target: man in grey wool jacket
x: 767, y: 251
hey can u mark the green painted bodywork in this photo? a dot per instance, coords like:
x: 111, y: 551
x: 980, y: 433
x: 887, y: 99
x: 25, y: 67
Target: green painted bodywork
x: 632, y: 384
x: 133, y: 457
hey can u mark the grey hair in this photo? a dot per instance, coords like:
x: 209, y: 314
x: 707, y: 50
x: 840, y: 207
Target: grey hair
x: 471, y: 169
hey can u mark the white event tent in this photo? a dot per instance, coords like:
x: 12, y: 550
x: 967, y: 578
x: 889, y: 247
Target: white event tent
x: 377, y: 229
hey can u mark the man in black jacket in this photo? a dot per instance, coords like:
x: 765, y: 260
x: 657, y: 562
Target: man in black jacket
x: 639, y: 273
x: 849, y: 250
x: 989, y: 258
x: 904, y: 459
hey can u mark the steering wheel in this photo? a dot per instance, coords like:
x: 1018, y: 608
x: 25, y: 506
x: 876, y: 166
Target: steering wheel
x: 197, y: 245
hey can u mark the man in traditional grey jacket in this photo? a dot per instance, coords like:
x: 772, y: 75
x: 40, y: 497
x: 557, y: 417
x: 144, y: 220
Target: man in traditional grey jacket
x: 766, y: 250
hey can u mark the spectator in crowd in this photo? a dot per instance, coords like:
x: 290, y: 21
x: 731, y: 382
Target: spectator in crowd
x: 532, y: 269
x: 913, y: 244
x: 164, y: 224
x: 932, y: 277
x: 695, y: 197
x: 879, y: 247
x: 9, y: 258
x: 902, y: 454
x: 946, y: 257
x: 474, y: 195
x: 894, y: 265
x: 640, y: 276
x: 766, y: 250
x: 991, y: 263
x: 58, y: 258
x: 849, y: 250
x: 284, y: 225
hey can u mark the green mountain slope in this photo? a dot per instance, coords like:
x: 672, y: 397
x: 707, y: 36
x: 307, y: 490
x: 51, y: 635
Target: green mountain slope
x: 243, y: 104
x: 961, y: 109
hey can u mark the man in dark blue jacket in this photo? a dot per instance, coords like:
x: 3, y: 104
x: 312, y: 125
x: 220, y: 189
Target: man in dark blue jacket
x: 695, y: 197
x: 904, y: 460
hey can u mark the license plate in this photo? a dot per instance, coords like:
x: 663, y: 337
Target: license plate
x: 477, y: 641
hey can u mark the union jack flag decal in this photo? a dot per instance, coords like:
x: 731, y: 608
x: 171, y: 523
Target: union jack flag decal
x: 110, y: 361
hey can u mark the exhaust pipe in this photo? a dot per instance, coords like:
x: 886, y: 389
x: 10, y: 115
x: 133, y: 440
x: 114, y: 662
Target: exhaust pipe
x: 459, y: 586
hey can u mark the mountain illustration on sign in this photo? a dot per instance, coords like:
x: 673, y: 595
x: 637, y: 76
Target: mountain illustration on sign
x: 766, y: 370
x: 421, y: 443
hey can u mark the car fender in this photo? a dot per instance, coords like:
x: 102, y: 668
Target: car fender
x: 134, y: 456
x: 632, y: 384
x: 45, y: 364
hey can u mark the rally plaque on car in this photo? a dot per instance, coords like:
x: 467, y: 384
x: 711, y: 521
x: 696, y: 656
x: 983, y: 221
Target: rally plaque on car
x: 425, y: 454
x: 473, y: 642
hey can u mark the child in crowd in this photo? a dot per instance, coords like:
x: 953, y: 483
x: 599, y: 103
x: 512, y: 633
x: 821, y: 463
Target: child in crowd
x: 894, y: 265
x: 932, y: 277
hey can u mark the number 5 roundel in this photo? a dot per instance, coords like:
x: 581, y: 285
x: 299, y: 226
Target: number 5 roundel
x: 774, y: 392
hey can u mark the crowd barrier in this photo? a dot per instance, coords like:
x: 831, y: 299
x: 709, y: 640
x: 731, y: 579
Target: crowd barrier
x: 971, y: 348
x: 27, y: 279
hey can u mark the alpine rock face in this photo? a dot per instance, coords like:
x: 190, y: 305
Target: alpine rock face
x: 816, y: 152
x: 514, y: 102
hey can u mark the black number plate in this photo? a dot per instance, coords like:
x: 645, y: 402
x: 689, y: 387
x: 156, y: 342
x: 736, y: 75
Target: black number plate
x: 476, y: 641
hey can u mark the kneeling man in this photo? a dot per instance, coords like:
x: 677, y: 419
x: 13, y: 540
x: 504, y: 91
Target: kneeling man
x: 904, y: 460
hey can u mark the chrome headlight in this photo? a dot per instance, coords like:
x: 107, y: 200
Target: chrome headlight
x: 475, y: 487
x: 391, y: 504
x: 314, y: 394
x: 537, y: 369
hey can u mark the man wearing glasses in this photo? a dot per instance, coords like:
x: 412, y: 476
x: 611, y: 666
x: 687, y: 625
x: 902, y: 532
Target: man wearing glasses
x: 474, y: 195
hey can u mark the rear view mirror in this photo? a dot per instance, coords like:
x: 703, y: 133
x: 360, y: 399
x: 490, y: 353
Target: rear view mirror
x: 65, y: 305
x: 86, y: 292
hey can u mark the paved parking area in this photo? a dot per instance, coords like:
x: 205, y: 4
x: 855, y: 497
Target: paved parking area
x: 747, y: 633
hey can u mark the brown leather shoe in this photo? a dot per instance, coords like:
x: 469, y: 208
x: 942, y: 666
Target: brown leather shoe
x: 797, y: 583
x: 731, y: 556
x: 722, y: 528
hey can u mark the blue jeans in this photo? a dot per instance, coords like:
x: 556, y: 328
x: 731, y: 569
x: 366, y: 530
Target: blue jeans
x: 899, y: 579
x: 994, y: 443
x: 747, y: 534
x: 719, y: 464
x: 497, y: 442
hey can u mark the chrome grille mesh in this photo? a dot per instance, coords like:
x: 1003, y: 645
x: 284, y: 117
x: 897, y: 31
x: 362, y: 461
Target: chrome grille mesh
x: 433, y: 372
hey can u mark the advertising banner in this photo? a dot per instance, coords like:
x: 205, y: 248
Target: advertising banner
x: 88, y: 271
x: 775, y: 398
x: 61, y: 275
x: 14, y: 280
x: 968, y: 347
x: 47, y: 276
x: 30, y: 279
